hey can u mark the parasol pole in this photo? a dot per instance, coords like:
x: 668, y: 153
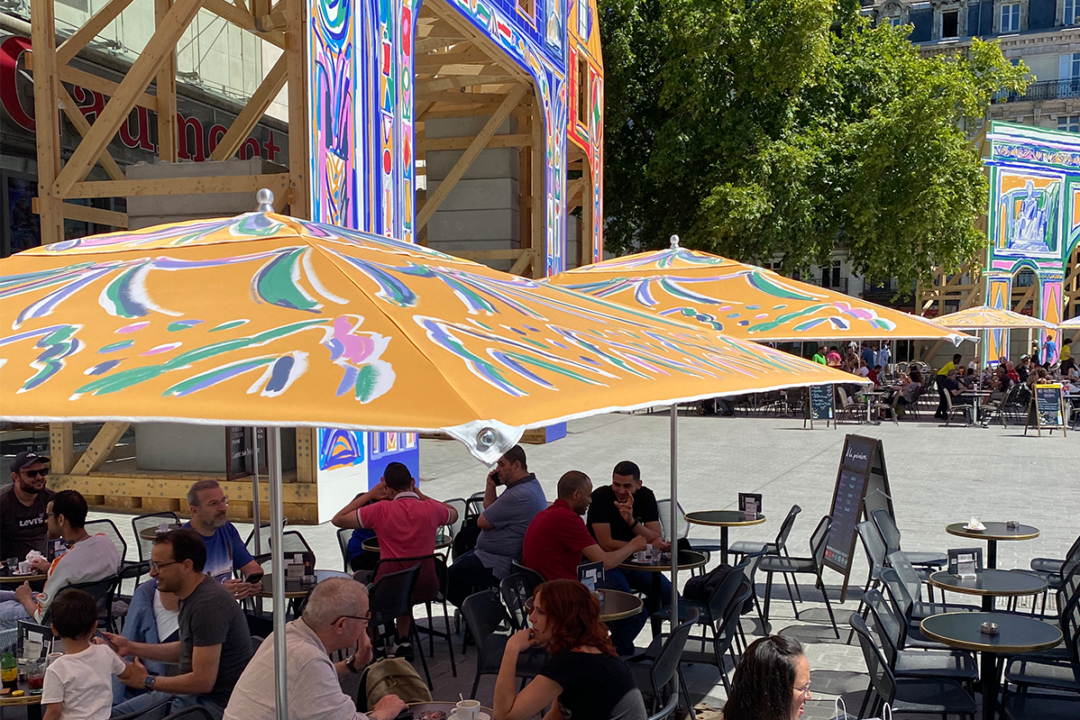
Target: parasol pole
x: 273, y: 447
x: 255, y: 514
x: 674, y: 516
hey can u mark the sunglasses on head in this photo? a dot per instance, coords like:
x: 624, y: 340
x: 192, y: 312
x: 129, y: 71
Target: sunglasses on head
x: 44, y: 472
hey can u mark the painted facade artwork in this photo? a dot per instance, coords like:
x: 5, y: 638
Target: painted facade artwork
x: 1033, y: 220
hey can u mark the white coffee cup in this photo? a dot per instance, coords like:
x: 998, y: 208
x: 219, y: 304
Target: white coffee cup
x: 641, y: 556
x: 467, y: 710
x: 25, y: 567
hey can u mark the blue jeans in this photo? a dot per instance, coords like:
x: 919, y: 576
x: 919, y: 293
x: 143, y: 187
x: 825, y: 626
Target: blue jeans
x: 177, y: 703
x: 624, y: 632
x: 11, y: 612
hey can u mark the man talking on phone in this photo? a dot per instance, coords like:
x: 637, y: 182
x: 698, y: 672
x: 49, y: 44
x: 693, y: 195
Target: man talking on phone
x: 502, y: 525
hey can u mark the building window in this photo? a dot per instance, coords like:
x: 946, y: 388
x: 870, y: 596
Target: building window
x: 583, y: 91
x: 830, y: 275
x: 1072, y: 9
x: 950, y: 24
x: 1069, y: 123
x: 1010, y: 18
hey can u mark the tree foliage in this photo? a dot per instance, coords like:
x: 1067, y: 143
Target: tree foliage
x: 755, y: 128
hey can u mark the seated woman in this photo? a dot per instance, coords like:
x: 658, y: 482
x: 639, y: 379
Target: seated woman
x: 910, y: 386
x: 771, y: 681
x: 584, y: 678
x: 153, y: 617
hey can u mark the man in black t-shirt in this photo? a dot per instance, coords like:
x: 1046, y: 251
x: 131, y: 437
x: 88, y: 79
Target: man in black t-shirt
x: 23, y: 505
x: 617, y: 514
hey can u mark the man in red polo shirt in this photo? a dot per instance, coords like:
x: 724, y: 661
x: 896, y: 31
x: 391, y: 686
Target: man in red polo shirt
x: 557, y: 537
x: 406, y: 524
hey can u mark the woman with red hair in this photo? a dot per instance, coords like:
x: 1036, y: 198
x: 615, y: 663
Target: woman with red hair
x: 584, y: 678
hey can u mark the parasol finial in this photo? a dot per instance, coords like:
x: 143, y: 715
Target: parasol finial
x: 265, y: 198
x: 674, y: 242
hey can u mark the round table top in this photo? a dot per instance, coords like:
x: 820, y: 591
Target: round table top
x: 296, y: 589
x: 444, y: 706
x: 994, y: 531
x: 617, y: 605
x: 1016, y: 633
x: 441, y: 543
x: 688, y: 560
x: 722, y: 518
x: 8, y: 579
x: 151, y: 533
x: 998, y: 583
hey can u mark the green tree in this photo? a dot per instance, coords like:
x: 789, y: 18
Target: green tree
x: 791, y: 127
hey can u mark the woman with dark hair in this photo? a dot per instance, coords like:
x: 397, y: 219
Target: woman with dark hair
x: 771, y: 681
x: 584, y: 678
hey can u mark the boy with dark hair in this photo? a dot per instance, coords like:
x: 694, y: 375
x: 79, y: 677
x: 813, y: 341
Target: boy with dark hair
x: 79, y: 684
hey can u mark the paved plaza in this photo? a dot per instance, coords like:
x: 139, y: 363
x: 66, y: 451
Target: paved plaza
x: 938, y: 475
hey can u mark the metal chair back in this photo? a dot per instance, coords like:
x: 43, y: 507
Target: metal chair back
x: 886, y: 525
x: 872, y: 544
x: 391, y: 596
x: 785, y: 529
x: 533, y: 577
x: 515, y: 593
x: 682, y: 527
x: 102, y: 591
x: 899, y: 562
x: 665, y: 667
x: 459, y: 505
x: 145, y: 522
x: 886, y: 625
x: 343, y: 537
x: 881, y: 677
x: 819, y: 539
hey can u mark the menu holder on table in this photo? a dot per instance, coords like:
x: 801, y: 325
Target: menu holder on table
x: 965, y: 562
x: 590, y: 574
x: 750, y: 505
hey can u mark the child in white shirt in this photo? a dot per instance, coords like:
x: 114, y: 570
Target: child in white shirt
x: 78, y: 686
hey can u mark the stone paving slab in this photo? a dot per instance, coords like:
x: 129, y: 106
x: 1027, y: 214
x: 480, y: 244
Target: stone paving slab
x: 938, y: 475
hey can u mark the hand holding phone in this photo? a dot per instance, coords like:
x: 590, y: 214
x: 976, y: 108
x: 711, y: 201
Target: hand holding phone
x: 493, y: 477
x: 253, y: 578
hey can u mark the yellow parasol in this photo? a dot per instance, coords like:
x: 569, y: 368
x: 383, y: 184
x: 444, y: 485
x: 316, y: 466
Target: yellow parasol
x: 742, y: 300
x: 263, y: 319
x: 1074, y: 323
x: 985, y: 317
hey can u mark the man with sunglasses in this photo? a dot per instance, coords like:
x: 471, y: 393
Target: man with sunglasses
x: 23, y: 505
x: 335, y: 617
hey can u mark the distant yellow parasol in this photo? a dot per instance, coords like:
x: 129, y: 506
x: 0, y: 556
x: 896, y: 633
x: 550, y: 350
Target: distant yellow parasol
x: 742, y: 300
x: 985, y: 317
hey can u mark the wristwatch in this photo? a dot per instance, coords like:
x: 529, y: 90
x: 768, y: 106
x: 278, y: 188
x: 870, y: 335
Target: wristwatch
x: 148, y: 683
x: 636, y: 523
x: 349, y: 664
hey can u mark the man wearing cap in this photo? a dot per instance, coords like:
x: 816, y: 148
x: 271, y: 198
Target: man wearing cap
x: 23, y: 507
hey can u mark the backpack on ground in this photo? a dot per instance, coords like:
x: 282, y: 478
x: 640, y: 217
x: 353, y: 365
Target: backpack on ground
x: 390, y: 676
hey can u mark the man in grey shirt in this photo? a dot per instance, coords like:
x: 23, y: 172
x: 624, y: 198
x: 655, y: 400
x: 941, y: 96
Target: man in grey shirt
x: 214, y: 645
x: 502, y: 526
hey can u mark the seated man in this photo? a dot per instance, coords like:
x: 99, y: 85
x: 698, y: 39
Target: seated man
x: 23, y: 507
x: 406, y: 528
x: 153, y: 617
x: 214, y: 645
x: 557, y: 539
x: 952, y: 386
x: 225, y: 551
x: 620, y: 512
x: 502, y: 526
x: 335, y: 618
x: 90, y: 558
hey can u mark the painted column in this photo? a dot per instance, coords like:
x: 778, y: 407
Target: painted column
x: 998, y: 295
x: 1050, y: 309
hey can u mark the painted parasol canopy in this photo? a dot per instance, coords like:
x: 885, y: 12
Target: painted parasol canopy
x: 985, y: 317
x: 743, y: 301
x: 1074, y: 323
x: 263, y: 319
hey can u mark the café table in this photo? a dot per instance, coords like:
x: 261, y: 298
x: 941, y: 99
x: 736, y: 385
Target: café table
x: 295, y: 590
x: 7, y: 578
x: 994, y: 532
x: 1016, y: 634
x: 723, y: 519
x: 616, y: 605
x: 977, y: 397
x: 31, y: 702
x: 870, y: 396
x: 151, y: 533
x: 431, y: 710
x: 990, y: 584
x: 688, y: 560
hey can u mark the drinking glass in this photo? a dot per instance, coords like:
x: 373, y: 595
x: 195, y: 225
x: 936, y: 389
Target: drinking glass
x: 35, y: 675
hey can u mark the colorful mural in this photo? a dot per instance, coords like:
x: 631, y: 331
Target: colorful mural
x: 361, y: 104
x: 1033, y: 220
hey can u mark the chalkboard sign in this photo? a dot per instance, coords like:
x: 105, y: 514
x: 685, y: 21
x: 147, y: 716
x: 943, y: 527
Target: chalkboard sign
x: 240, y: 452
x: 820, y: 405
x: 862, y: 486
x: 1047, y: 409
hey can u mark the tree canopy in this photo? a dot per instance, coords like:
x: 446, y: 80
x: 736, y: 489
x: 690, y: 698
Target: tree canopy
x: 789, y: 128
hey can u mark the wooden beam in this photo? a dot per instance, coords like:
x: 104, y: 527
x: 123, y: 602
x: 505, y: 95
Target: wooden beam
x: 434, y: 42
x: 433, y: 61
x: 100, y: 447
x: 254, y: 110
x: 459, y: 97
x: 453, y: 17
x: 470, y: 154
x: 47, y: 114
x: 94, y: 82
x: 168, y: 135
x: 83, y: 128
x: 574, y: 187
x: 457, y: 81
x: 176, y: 485
x: 298, y: 116
x: 90, y: 30
x: 278, y: 182
x: 162, y: 43
x: 61, y: 448
x: 85, y: 213
x: 460, y: 143
x: 522, y: 262
x: 242, y: 18
x: 482, y: 255
x: 585, y: 248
